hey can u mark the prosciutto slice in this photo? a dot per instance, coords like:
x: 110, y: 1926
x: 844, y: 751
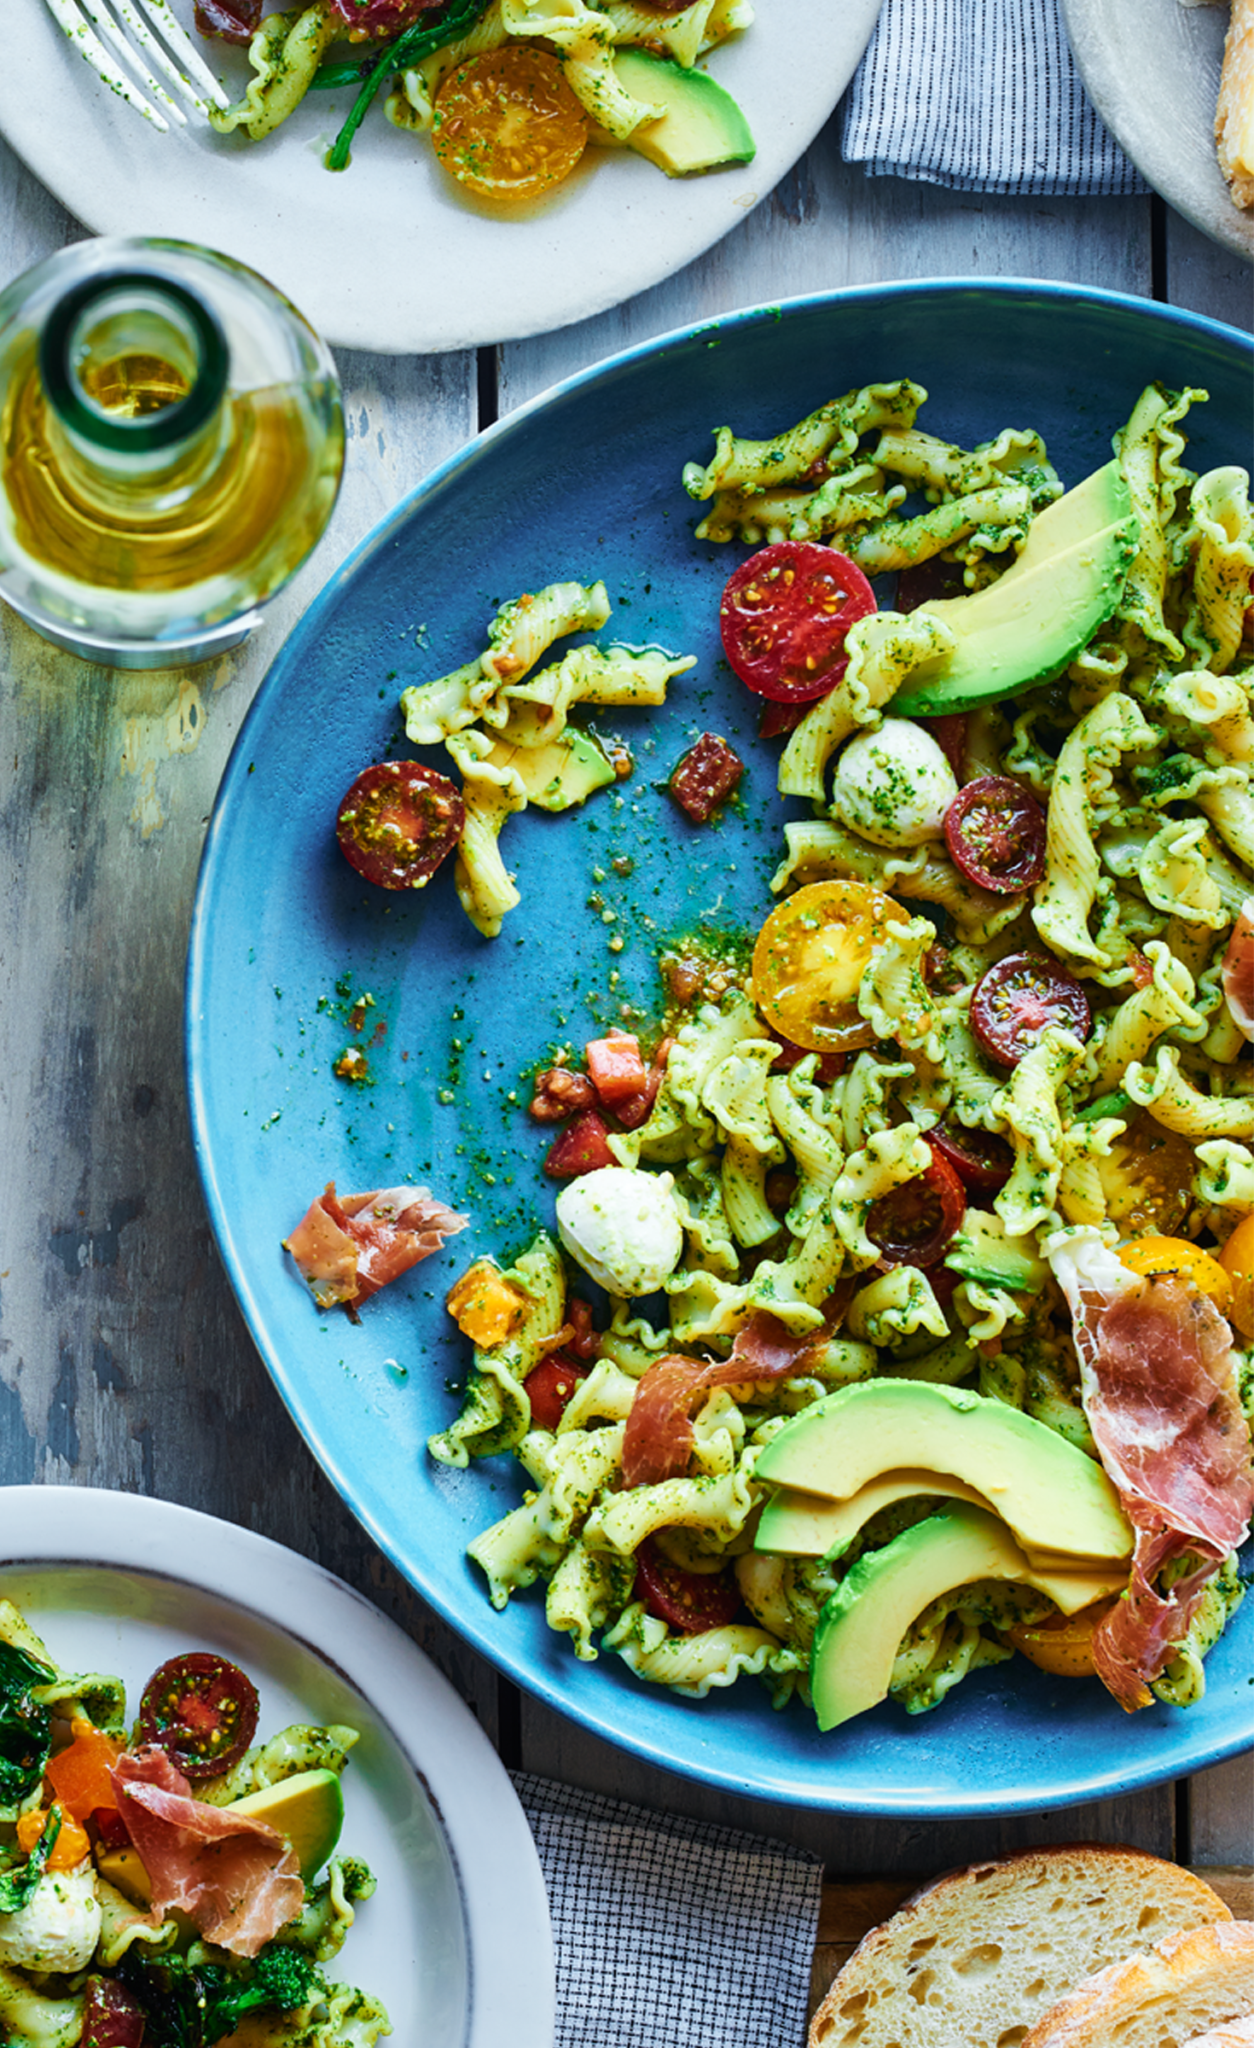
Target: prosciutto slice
x: 1238, y: 970
x: 235, y: 1878
x: 1158, y: 1381
x: 348, y: 1249
x: 658, y: 1435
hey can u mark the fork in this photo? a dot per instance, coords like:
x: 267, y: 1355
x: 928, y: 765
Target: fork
x: 120, y: 22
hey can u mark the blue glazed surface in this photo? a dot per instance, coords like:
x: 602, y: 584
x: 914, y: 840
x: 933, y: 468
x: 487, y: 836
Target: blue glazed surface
x: 585, y: 483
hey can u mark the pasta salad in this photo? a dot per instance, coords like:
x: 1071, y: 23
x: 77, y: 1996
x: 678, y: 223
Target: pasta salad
x: 971, y: 1132
x: 168, y: 1881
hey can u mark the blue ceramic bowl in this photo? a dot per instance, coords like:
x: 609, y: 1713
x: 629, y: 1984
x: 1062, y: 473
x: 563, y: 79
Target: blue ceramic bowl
x: 585, y: 483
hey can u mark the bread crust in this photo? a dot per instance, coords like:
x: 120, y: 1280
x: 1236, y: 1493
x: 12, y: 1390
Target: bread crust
x: 1240, y: 2034
x: 998, y: 1942
x: 1190, y: 1982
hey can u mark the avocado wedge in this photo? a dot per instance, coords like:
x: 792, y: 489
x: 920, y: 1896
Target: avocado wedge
x: 1052, y: 1496
x: 862, y: 1624
x: 702, y: 127
x: 1024, y: 628
x: 308, y: 1808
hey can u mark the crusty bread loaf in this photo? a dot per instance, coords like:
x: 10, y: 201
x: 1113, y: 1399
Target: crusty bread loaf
x: 1184, y: 1985
x: 980, y: 1955
x: 1238, y: 2034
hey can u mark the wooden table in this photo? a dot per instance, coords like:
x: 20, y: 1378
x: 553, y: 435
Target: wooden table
x: 123, y: 1360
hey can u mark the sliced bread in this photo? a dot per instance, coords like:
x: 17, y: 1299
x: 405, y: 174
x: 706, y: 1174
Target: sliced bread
x: 1188, y: 1983
x: 980, y: 1955
x: 1237, y: 2034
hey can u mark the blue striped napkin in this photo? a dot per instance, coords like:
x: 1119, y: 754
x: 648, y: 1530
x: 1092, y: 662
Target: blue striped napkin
x: 982, y: 96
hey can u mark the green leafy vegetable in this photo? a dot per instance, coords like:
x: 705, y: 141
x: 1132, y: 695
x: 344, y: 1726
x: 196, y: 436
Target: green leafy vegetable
x: 17, y: 1884
x: 414, y: 43
x: 192, y: 2006
x: 25, y: 1724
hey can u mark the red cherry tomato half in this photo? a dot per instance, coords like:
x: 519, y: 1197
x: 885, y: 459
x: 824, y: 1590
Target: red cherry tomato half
x: 996, y: 834
x: 982, y: 1161
x: 581, y: 1147
x: 398, y: 821
x: 111, y: 2018
x: 784, y: 617
x: 1018, y: 1000
x: 550, y: 1387
x: 201, y: 1710
x: 913, y: 1225
x: 691, y: 1602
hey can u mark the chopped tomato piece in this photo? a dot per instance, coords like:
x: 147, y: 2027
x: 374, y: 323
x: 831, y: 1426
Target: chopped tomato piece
x: 70, y: 1846
x: 635, y: 1110
x: 691, y: 1602
x: 1017, y: 1001
x: 581, y: 1148
x: 616, y: 1067
x: 370, y: 19
x: 784, y: 617
x: 485, y: 1306
x: 995, y: 833
x: 705, y: 777
x: 776, y: 718
x: 231, y: 21
x: 111, y: 2017
x: 201, y: 1710
x: 1062, y: 1644
x: 507, y: 124
x: 913, y: 1225
x: 79, y: 1773
x: 397, y: 822
x: 550, y: 1386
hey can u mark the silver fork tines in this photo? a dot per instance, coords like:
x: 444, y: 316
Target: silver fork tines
x: 121, y: 24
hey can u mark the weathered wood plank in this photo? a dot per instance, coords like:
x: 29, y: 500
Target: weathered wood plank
x: 827, y: 226
x: 1221, y: 1813
x: 123, y: 1360
x: 1205, y: 278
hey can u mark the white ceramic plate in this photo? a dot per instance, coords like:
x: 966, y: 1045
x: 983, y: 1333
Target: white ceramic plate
x: 456, y: 1939
x: 387, y: 255
x: 1151, y: 68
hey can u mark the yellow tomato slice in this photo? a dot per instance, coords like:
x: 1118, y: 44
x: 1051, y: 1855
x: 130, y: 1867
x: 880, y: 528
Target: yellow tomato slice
x: 1237, y: 1260
x: 1063, y: 1644
x: 1149, y: 1255
x: 507, y: 124
x: 1148, y: 1178
x: 810, y: 957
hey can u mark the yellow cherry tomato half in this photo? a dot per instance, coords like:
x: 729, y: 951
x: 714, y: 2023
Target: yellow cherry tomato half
x: 1148, y: 1178
x: 1237, y: 1260
x: 507, y: 125
x: 1062, y: 1644
x: 1151, y: 1255
x: 810, y: 957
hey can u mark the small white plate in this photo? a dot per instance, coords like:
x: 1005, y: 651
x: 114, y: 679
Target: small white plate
x: 456, y: 1940
x: 386, y: 255
x: 1151, y: 68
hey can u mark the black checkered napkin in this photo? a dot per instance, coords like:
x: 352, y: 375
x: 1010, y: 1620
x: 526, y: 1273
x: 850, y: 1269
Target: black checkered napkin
x: 982, y: 96
x: 671, y: 1933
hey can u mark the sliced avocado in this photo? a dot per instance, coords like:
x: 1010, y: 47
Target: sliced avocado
x: 1024, y: 628
x: 308, y: 1808
x: 561, y: 773
x: 796, y: 1524
x: 1054, y: 1497
x: 982, y: 1250
x: 702, y: 126
x: 123, y: 1870
x: 862, y: 1624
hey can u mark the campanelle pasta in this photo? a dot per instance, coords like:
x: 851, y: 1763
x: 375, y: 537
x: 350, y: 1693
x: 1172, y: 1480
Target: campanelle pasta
x: 1130, y: 1115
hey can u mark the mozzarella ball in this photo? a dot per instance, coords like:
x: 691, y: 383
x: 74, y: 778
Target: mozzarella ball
x: 58, y: 1927
x: 894, y: 786
x: 622, y: 1227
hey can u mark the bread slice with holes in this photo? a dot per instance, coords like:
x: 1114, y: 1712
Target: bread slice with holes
x: 1240, y: 2034
x: 981, y: 1955
x: 1193, y: 1981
